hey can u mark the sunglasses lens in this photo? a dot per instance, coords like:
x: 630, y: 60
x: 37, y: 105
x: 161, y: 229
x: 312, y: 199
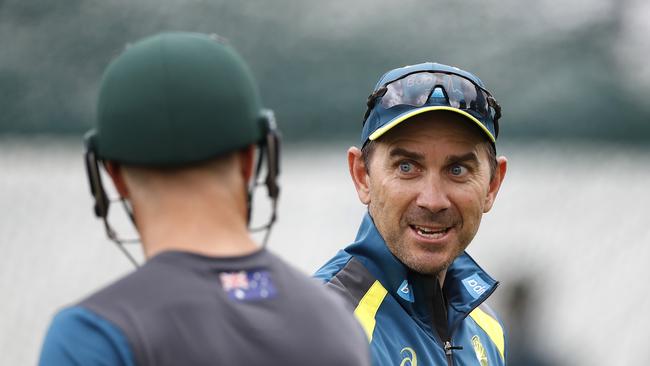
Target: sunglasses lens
x: 432, y: 88
x: 412, y: 90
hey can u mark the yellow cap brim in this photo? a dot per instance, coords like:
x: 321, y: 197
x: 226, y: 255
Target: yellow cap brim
x: 382, y: 130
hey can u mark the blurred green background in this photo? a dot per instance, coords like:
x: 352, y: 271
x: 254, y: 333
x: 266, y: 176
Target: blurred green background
x: 576, y: 70
x: 568, y: 237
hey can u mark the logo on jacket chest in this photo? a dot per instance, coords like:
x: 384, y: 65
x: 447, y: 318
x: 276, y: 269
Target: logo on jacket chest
x: 409, y: 358
x: 481, y: 355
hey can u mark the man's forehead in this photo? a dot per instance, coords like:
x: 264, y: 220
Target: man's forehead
x: 433, y: 139
x: 434, y: 151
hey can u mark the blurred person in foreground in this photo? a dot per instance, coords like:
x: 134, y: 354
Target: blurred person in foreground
x: 179, y: 121
x: 427, y: 170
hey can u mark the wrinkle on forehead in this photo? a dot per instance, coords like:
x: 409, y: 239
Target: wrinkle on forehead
x: 443, y: 141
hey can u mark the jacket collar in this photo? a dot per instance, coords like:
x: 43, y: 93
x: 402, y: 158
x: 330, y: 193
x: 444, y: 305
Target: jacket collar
x: 466, y: 285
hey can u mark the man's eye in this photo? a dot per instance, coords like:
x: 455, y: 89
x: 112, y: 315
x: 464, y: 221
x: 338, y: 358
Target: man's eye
x: 458, y: 170
x: 405, y: 167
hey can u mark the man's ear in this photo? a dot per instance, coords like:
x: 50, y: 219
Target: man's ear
x: 359, y: 174
x: 495, y: 184
x: 247, y: 162
x: 116, y: 173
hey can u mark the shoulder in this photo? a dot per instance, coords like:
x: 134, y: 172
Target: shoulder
x: 300, y: 290
x: 79, y: 336
x: 348, y: 277
x: 310, y: 306
x: 333, y: 266
x: 297, y: 280
x: 157, y: 279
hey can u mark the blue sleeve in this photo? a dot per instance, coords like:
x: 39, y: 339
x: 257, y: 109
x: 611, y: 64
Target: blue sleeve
x: 78, y: 336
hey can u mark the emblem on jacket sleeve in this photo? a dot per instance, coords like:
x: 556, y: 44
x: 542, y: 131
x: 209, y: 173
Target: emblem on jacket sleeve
x: 481, y: 355
x: 409, y: 358
x: 248, y: 285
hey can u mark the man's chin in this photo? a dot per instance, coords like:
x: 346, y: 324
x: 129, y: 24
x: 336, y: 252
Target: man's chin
x: 427, y: 263
x: 427, y: 268
x: 424, y: 259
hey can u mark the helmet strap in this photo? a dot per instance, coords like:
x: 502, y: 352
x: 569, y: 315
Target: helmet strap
x: 102, y: 203
x: 270, y: 154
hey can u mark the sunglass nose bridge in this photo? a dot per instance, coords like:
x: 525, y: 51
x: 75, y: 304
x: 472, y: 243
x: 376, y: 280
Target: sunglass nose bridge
x: 438, y: 92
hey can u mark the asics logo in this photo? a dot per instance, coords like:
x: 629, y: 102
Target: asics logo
x: 409, y: 358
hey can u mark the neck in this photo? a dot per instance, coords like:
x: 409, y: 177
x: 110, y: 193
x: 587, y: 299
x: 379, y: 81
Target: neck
x: 441, y: 277
x: 211, y: 223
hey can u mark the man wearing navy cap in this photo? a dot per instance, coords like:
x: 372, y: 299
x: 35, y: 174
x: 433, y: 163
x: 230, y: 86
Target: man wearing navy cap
x: 428, y: 171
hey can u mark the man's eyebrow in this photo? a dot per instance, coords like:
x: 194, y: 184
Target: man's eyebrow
x: 403, y: 153
x: 469, y: 157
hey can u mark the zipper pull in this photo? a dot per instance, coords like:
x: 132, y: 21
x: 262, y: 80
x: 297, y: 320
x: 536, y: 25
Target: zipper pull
x: 449, y: 348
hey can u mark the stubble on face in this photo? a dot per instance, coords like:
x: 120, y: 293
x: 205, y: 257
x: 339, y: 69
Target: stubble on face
x: 418, y: 260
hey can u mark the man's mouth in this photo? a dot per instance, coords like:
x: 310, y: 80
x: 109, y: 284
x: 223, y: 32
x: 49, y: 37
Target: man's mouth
x: 430, y: 233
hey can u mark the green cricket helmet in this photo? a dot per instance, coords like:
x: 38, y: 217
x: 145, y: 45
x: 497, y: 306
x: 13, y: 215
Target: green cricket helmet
x: 174, y: 99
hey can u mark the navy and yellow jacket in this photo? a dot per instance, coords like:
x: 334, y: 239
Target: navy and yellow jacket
x: 402, y: 311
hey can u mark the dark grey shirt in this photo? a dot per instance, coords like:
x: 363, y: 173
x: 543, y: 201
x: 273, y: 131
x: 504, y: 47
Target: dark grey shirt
x: 188, y: 309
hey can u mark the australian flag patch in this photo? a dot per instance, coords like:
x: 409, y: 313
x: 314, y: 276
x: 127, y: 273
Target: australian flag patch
x: 248, y: 285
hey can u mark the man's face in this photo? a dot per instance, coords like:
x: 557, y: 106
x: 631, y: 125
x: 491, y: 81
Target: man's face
x: 427, y: 187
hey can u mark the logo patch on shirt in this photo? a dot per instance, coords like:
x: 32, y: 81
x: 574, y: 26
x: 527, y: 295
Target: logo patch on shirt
x: 475, y: 285
x: 405, y: 292
x: 481, y: 355
x: 409, y: 358
x: 248, y: 285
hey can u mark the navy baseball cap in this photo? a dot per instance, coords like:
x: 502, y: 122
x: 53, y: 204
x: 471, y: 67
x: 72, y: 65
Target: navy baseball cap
x: 408, y: 91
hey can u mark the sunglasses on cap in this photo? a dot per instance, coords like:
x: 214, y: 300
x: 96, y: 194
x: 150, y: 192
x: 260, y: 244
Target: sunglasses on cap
x: 435, y: 88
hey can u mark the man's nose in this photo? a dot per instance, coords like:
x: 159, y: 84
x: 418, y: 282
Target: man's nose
x: 433, y: 195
